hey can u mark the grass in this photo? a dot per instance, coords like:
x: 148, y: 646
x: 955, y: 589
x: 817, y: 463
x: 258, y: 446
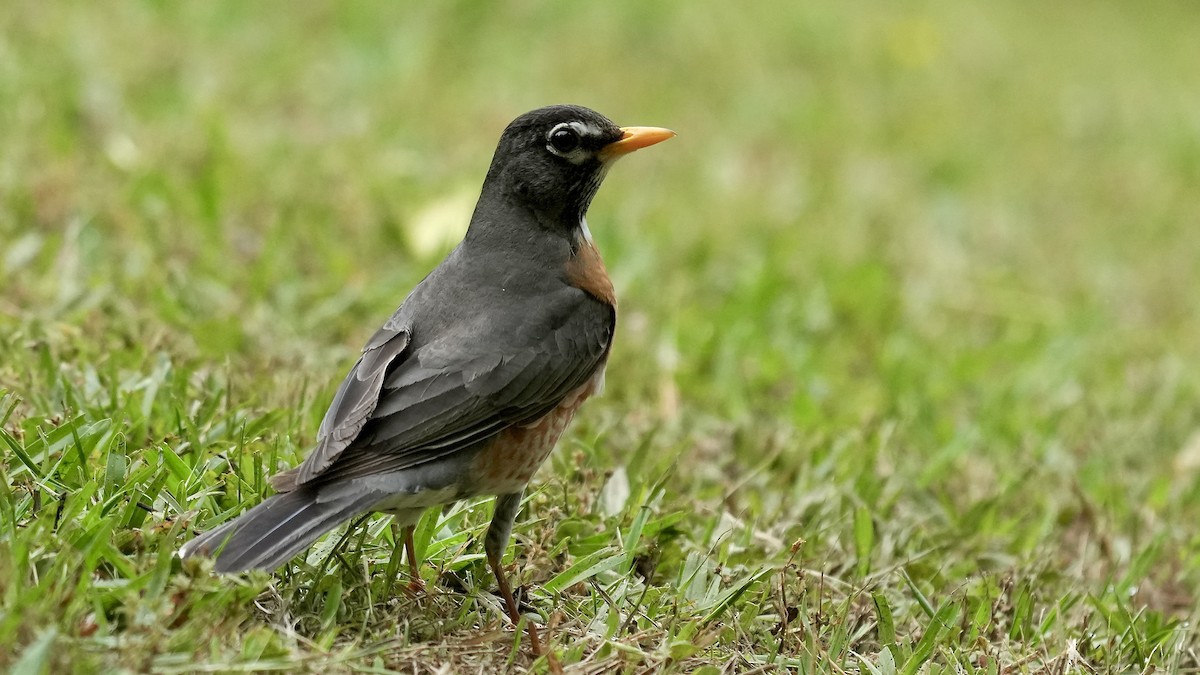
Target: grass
x: 906, y: 374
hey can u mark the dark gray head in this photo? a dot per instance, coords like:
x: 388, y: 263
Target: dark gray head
x: 551, y: 160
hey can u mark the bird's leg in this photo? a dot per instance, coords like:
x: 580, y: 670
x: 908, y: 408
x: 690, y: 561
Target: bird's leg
x: 415, y: 584
x: 498, y: 533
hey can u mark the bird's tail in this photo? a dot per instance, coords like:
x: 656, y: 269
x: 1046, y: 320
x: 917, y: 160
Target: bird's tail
x: 271, y: 533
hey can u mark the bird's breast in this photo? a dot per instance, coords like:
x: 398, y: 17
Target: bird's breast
x: 514, y: 455
x: 586, y: 271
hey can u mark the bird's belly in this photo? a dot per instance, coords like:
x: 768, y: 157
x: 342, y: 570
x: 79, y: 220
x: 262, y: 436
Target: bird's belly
x: 417, y: 501
x: 509, y: 461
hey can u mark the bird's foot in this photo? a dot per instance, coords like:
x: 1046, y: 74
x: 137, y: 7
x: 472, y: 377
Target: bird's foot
x: 416, y: 586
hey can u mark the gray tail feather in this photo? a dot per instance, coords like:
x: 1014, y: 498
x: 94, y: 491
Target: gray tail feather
x: 271, y: 533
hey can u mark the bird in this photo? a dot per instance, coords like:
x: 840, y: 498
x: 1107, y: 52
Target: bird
x: 467, y: 388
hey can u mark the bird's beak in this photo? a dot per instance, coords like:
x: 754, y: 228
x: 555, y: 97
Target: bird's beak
x: 633, y: 138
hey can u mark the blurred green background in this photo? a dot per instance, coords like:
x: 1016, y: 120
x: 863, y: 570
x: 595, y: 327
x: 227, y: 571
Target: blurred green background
x: 916, y: 284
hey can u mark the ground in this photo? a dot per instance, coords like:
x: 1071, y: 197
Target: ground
x: 907, y: 376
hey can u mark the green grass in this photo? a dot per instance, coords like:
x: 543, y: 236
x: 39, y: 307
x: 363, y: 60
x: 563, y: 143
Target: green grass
x: 906, y: 377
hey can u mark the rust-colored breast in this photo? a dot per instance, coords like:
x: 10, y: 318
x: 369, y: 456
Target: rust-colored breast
x: 586, y: 271
x: 510, y: 461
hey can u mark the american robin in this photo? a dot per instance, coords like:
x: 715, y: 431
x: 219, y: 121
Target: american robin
x: 465, y: 390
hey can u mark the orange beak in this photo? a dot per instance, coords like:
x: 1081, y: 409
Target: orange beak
x: 634, y: 138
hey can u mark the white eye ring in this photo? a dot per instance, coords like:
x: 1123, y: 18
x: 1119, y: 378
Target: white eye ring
x: 564, y: 139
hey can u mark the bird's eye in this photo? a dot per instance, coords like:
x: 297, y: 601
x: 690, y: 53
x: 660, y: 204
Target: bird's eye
x: 563, y: 139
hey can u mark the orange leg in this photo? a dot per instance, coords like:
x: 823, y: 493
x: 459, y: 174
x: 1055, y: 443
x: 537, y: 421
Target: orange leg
x: 510, y: 603
x: 415, y: 584
x: 494, y: 544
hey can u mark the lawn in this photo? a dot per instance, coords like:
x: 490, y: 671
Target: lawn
x: 907, y: 374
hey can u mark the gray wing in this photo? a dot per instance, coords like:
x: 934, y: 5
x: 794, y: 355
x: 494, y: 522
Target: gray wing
x: 355, y: 399
x: 451, y: 392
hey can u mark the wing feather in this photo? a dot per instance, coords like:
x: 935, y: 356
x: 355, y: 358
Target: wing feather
x: 405, y: 403
x: 355, y: 400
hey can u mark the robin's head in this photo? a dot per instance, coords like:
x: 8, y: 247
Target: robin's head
x: 552, y: 160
